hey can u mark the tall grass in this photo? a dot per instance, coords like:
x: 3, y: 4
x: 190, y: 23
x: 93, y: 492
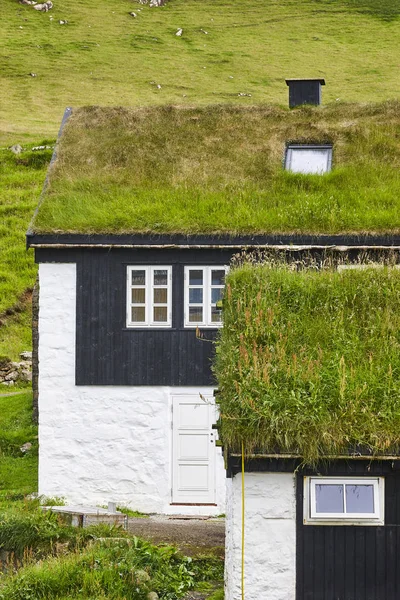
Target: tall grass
x: 309, y: 362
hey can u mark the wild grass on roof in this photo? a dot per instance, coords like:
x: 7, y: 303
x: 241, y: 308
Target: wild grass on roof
x: 218, y: 169
x: 308, y: 362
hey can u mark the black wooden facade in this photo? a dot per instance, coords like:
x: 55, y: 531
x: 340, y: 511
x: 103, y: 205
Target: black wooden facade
x: 110, y: 353
x: 343, y: 562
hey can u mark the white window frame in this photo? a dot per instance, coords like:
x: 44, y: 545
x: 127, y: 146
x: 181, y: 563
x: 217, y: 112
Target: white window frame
x: 149, y: 304
x: 291, y: 147
x: 207, y: 305
x: 311, y: 517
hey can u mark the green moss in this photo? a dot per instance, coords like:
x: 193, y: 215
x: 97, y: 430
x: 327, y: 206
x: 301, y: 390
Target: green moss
x: 309, y: 362
x: 218, y: 169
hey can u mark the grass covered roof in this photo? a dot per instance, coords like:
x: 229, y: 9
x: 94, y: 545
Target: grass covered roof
x: 218, y: 170
x: 308, y: 362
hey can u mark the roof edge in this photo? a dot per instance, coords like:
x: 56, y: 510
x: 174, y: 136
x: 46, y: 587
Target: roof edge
x: 289, y: 241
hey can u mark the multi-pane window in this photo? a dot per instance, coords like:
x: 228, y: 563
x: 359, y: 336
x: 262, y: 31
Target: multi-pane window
x: 332, y: 499
x: 307, y: 159
x: 204, y: 288
x: 149, y: 296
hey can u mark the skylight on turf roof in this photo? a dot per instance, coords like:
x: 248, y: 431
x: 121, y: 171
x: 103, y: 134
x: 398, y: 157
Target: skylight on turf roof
x: 308, y: 160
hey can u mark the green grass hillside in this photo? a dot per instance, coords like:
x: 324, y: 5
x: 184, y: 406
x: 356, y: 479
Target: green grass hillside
x: 105, y: 56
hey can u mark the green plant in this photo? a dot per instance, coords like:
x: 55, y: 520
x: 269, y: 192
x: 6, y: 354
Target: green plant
x: 308, y: 362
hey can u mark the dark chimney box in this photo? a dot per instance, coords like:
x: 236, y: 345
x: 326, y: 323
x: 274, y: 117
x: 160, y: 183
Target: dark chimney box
x: 304, y: 91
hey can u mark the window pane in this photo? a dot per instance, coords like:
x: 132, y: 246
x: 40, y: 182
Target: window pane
x: 138, y: 314
x: 195, y: 277
x: 218, y: 277
x: 329, y: 498
x: 196, y: 296
x: 195, y: 314
x: 216, y: 294
x: 309, y: 160
x: 138, y: 277
x: 160, y: 296
x: 216, y: 315
x: 160, y: 314
x: 138, y: 295
x: 360, y: 498
x: 160, y: 277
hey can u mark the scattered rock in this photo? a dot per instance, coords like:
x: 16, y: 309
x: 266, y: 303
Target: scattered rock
x: 244, y: 94
x: 33, y: 74
x: 203, y: 31
x: 133, y: 14
x: 44, y: 7
x: 29, y: 2
x: 27, y: 354
x: 158, y: 86
x: 16, y: 149
x: 26, y: 447
x: 179, y: 32
x: 12, y: 372
x: 63, y: 22
x: 156, y: 3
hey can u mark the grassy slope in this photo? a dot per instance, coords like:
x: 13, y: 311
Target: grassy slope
x: 105, y: 56
x: 18, y: 472
x: 196, y: 170
x: 21, y: 180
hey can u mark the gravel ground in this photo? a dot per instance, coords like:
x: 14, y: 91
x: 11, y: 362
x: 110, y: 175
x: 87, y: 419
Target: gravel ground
x: 191, y: 535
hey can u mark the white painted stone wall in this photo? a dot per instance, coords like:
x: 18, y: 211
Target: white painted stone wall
x: 270, y: 537
x: 101, y: 443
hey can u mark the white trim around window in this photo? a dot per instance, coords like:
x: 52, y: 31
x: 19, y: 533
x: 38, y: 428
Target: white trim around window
x: 204, y: 287
x: 149, y: 296
x: 344, y: 500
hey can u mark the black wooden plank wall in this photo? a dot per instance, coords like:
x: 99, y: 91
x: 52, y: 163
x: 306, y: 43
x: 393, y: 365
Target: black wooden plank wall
x: 351, y: 562
x: 108, y: 353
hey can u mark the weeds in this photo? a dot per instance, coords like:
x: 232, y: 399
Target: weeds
x: 308, y: 362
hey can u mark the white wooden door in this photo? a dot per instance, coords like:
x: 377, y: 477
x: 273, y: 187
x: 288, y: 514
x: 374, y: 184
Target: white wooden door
x: 193, y: 450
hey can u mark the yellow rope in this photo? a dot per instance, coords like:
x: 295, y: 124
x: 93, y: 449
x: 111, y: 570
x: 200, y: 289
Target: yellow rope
x: 242, y: 521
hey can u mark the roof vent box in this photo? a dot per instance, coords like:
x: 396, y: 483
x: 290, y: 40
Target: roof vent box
x: 304, y: 91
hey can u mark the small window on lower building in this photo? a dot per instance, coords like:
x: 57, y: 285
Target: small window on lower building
x: 332, y: 500
x: 148, y: 296
x: 308, y: 159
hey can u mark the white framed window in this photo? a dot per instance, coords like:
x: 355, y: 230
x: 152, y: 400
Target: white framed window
x: 204, y: 288
x: 344, y: 501
x: 308, y: 159
x: 149, y: 296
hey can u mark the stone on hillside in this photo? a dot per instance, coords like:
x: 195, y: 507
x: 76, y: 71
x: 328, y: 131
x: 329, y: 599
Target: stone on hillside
x: 133, y: 14
x: 179, y: 32
x: 26, y: 447
x: 16, y: 149
x: 44, y: 7
x: 157, y: 3
x: 33, y: 74
x: 26, y: 355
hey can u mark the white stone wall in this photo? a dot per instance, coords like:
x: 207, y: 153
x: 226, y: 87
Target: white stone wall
x: 100, y: 443
x: 270, y: 537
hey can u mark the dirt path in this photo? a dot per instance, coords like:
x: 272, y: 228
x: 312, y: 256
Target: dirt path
x: 191, y: 535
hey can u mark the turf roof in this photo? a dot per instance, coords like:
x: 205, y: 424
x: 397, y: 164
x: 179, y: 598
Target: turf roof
x: 218, y: 170
x: 308, y: 362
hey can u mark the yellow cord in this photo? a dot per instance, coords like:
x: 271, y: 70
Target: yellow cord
x: 242, y: 521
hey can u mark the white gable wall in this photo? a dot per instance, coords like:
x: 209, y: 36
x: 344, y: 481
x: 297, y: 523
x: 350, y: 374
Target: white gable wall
x: 101, y: 443
x: 270, y: 537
